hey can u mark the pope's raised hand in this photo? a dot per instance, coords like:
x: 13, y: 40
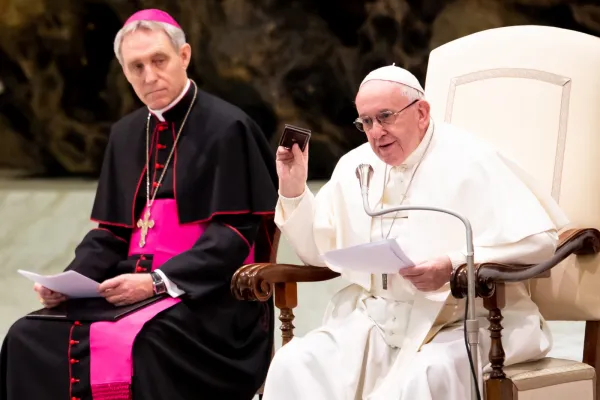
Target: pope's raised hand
x: 292, y: 169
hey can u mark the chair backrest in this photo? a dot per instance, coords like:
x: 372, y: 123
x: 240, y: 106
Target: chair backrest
x: 534, y: 93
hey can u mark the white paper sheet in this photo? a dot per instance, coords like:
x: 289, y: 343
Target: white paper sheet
x: 69, y: 283
x: 384, y: 257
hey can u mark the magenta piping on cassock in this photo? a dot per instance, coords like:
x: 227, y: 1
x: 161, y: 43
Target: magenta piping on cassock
x: 111, y: 343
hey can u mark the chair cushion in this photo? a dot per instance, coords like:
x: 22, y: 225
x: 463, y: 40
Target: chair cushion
x: 547, y: 372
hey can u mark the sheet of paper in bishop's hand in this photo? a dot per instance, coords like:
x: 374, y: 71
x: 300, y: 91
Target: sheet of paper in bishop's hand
x: 70, y: 283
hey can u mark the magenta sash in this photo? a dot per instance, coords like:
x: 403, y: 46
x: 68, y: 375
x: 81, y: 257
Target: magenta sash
x: 111, y: 343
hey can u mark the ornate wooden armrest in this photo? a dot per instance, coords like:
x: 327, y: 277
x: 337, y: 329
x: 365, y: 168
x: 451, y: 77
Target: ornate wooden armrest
x: 490, y: 279
x: 255, y: 281
x: 573, y: 241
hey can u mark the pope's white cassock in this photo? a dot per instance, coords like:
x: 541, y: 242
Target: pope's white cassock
x: 401, y: 343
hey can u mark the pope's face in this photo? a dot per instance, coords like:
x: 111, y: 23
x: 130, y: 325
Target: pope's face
x: 155, y: 69
x: 401, y: 132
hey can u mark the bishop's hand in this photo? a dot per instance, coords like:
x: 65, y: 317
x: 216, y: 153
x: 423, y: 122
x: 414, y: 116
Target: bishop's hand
x: 292, y: 169
x: 430, y: 275
x: 48, y: 298
x: 127, y: 289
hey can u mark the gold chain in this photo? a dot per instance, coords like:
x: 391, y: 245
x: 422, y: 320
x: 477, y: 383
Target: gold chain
x: 145, y: 223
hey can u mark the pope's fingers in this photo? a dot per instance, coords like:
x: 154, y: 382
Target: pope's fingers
x: 297, y: 152
x: 286, y: 158
x: 412, y: 272
x: 305, y: 152
x: 283, y: 151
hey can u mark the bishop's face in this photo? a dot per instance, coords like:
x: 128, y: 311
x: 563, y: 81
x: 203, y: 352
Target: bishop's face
x: 404, y: 121
x: 155, y: 69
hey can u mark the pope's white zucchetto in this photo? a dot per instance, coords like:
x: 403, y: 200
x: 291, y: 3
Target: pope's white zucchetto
x: 392, y: 73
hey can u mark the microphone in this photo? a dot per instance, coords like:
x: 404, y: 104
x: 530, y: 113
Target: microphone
x: 364, y: 173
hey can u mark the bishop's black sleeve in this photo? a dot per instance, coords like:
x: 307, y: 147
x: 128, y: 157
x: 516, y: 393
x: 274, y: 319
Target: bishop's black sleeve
x: 100, y: 251
x: 210, y: 264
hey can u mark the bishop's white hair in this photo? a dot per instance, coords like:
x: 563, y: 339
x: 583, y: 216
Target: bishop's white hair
x: 175, y: 34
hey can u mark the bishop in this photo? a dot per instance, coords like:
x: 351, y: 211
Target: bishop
x: 186, y: 336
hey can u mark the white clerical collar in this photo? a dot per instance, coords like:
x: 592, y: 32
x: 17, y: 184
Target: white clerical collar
x: 159, y: 113
x: 419, y: 152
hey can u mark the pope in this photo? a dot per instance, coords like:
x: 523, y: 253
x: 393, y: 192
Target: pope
x: 400, y: 336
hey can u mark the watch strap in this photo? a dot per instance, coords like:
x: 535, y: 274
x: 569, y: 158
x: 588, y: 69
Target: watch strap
x: 159, y: 286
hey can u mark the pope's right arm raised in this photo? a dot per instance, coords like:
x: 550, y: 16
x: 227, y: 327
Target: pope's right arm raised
x: 303, y: 218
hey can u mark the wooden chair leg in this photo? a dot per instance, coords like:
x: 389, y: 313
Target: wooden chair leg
x: 286, y: 299
x: 497, y: 387
x: 591, y: 349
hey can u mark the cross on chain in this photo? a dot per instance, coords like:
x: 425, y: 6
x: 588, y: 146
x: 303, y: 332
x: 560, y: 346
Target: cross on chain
x: 144, y: 225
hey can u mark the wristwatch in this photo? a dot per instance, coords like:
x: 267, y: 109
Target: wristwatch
x: 158, y: 285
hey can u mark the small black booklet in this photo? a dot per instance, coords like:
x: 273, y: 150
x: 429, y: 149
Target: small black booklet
x: 90, y: 310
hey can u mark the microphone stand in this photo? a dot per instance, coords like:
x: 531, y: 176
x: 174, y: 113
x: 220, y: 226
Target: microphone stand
x: 364, y: 172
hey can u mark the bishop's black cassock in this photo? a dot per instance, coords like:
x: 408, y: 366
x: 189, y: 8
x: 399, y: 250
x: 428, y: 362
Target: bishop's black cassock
x: 209, y: 345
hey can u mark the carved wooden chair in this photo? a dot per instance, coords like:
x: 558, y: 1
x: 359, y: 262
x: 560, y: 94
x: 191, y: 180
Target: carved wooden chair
x: 533, y: 92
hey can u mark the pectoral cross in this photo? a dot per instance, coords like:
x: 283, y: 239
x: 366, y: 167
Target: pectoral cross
x: 144, y: 225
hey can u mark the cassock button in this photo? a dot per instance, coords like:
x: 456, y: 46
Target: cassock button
x: 77, y: 323
x: 140, y: 269
x: 155, y: 184
x: 73, y: 361
x: 158, y: 166
x: 72, y: 342
x: 161, y: 146
x: 73, y: 380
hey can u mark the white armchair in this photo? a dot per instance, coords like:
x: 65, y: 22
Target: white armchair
x: 534, y: 93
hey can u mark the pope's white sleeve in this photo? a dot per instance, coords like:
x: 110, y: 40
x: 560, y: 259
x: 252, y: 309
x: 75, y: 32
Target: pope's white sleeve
x: 303, y: 223
x: 533, y: 249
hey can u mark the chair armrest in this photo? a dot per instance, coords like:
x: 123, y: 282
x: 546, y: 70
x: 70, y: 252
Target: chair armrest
x: 573, y: 241
x: 255, y: 282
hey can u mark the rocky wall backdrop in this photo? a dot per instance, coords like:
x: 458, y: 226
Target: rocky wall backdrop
x: 282, y: 61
